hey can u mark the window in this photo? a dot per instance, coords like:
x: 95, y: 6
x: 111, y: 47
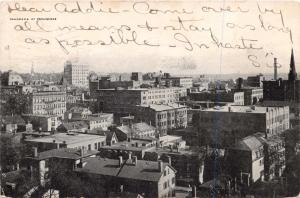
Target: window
x: 173, y: 180
x: 165, y: 173
x: 165, y: 185
x: 95, y: 146
x: 89, y: 147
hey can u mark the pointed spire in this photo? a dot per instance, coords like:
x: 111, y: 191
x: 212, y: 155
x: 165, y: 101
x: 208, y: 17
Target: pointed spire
x: 292, y: 73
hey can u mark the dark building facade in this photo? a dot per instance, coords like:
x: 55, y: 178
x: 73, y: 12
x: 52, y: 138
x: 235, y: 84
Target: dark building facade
x: 284, y: 90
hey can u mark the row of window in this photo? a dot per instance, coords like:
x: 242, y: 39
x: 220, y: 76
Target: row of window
x: 96, y: 145
x: 49, y: 99
x: 59, y: 105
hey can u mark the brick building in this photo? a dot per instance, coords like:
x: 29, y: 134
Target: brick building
x: 223, y: 126
x: 151, y: 179
x: 124, y: 100
x: 221, y: 96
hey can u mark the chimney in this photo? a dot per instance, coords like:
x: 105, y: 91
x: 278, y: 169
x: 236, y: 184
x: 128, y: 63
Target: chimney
x: 134, y: 160
x: 130, y: 155
x: 169, y: 160
x: 81, y: 152
x: 275, y: 68
x: 194, y: 192
x: 35, y: 152
x: 160, y: 166
x: 120, y: 161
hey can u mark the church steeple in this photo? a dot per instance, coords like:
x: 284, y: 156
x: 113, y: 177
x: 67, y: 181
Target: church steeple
x: 292, y: 73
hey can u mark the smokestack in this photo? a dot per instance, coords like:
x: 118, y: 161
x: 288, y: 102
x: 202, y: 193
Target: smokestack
x: 160, y: 166
x: 194, y: 192
x: 35, y: 152
x: 120, y: 161
x: 275, y: 68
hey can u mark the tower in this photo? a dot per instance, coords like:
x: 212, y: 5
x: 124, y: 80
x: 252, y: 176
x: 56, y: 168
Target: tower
x: 292, y: 73
x: 275, y: 68
x: 32, y: 70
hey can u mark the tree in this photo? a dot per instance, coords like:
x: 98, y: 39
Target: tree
x: 15, y: 104
x: 11, y: 151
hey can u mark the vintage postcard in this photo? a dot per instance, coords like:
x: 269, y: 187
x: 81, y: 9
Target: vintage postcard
x: 150, y: 98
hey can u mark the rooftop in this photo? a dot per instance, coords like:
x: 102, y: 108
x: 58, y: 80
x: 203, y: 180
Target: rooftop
x: 67, y: 138
x: 67, y: 153
x: 240, y: 109
x: 136, y: 128
x: 142, y: 170
x: 164, y: 107
x: 249, y: 143
x: 169, y: 138
x: 135, y: 144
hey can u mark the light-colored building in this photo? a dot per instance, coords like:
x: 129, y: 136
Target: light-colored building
x: 76, y: 75
x: 135, y: 130
x: 11, y: 78
x: 162, y: 116
x: 100, y: 121
x: 246, y: 159
x: 252, y: 95
x: 186, y: 82
x: 47, y: 103
x: 223, y: 126
x: 67, y: 140
x: 256, y: 157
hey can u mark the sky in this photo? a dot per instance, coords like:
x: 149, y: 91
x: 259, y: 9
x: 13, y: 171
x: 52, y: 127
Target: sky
x: 185, y: 36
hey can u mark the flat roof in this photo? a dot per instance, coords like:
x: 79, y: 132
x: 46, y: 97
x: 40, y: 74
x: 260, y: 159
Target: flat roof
x: 132, y: 145
x: 239, y: 109
x: 69, y: 138
x: 164, y: 107
x: 66, y: 153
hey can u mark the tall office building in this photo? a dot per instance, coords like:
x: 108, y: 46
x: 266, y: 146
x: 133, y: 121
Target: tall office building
x: 76, y: 75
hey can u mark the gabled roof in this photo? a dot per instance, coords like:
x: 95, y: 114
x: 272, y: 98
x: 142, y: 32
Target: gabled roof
x: 109, y: 134
x: 137, y: 128
x: 74, y: 125
x: 249, y: 143
x: 143, y: 170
